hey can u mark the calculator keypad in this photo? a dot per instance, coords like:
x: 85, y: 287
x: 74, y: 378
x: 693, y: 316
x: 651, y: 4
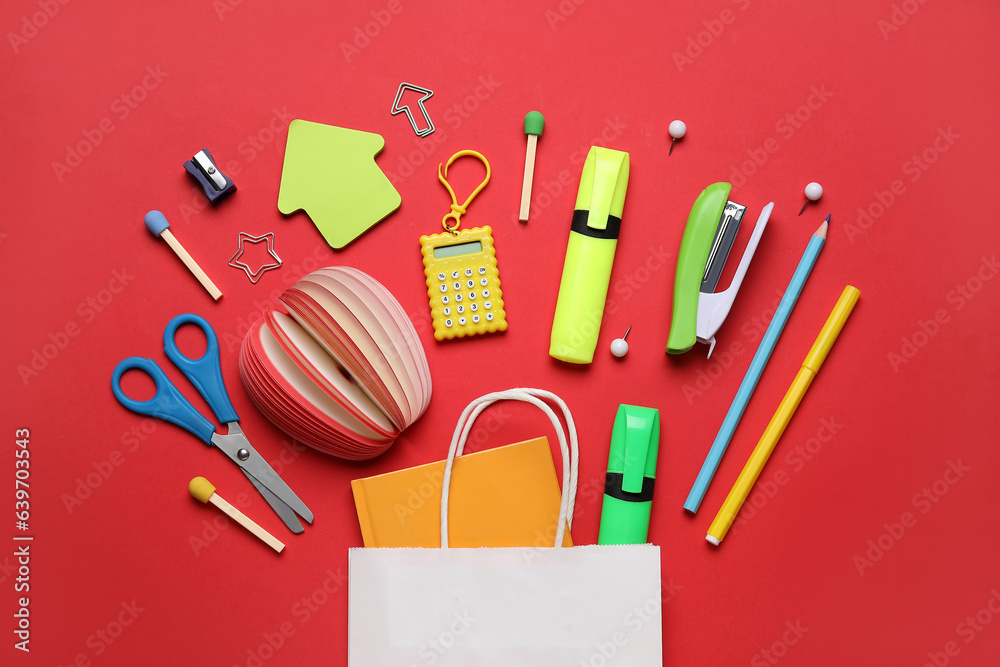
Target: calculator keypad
x: 456, y: 294
x: 464, y: 289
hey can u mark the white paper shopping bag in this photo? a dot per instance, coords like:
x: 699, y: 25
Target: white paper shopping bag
x: 521, y: 606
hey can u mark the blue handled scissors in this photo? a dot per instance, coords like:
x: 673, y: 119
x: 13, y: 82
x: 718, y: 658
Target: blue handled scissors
x: 206, y: 375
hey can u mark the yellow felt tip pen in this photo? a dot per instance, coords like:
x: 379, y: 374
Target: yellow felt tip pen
x: 744, y: 483
x: 593, y: 238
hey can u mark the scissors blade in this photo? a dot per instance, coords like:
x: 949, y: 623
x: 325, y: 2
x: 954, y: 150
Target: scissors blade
x: 238, y: 448
x: 286, y: 513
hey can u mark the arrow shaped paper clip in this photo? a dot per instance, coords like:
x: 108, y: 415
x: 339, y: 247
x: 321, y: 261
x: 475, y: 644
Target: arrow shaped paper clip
x: 396, y: 109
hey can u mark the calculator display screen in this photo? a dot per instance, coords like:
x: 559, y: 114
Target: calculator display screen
x: 443, y: 251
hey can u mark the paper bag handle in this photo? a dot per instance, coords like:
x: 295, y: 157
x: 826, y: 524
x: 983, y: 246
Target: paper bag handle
x: 570, y: 452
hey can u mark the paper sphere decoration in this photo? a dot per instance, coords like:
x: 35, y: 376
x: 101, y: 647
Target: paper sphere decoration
x: 343, y: 371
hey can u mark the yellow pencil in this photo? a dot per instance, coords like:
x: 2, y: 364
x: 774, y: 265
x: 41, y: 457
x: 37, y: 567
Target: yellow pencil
x: 744, y: 483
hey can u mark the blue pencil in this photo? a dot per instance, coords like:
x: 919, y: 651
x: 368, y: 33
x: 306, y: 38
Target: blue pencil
x: 756, y: 369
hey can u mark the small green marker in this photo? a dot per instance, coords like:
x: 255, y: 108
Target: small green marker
x: 628, y: 488
x: 534, y: 123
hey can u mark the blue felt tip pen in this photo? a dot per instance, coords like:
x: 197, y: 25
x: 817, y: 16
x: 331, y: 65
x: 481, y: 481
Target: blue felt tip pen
x: 756, y: 369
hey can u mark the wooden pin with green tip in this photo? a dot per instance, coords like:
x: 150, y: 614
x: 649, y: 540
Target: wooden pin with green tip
x: 203, y: 490
x: 534, y: 123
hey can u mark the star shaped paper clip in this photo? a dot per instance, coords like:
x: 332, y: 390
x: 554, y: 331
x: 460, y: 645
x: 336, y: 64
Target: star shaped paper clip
x: 238, y: 263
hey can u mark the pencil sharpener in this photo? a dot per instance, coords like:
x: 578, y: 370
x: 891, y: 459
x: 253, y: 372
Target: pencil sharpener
x: 202, y: 167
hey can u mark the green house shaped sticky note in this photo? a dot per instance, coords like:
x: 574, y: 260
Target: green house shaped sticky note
x: 330, y: 173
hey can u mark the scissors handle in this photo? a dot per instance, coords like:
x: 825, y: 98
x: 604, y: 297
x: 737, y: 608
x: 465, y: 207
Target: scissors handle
x: 204, y: 373
x: 168, y: 403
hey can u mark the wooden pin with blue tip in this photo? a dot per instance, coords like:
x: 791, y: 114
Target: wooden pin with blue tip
x: 157, y: 225
x: 810, y: 367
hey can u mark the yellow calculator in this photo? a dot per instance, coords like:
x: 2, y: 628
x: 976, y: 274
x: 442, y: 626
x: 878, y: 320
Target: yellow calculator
x: 462, y: 283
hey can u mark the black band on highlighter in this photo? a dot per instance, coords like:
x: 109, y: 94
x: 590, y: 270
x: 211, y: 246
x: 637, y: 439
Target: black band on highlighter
x: 580, y: 218
x: 613, y: 487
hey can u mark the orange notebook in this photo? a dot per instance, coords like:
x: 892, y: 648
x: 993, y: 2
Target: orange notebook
x: 502, y: 497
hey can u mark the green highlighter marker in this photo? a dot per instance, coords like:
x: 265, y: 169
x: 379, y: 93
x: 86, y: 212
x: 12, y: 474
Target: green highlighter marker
x: 593, y: 238
x: 628, y: 488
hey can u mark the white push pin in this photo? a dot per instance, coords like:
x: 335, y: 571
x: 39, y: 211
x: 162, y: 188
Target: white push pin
x: 619, y: 346
x: 813, y: 192
x: 677, y: 130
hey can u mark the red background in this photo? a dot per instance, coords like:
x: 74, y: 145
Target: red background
x: 594, y: 70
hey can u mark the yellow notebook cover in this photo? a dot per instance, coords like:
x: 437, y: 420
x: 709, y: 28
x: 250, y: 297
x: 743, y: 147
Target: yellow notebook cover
x: 502, y: 497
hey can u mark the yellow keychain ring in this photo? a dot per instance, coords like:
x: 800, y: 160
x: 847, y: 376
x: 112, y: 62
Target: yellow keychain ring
x: 458, y: 210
